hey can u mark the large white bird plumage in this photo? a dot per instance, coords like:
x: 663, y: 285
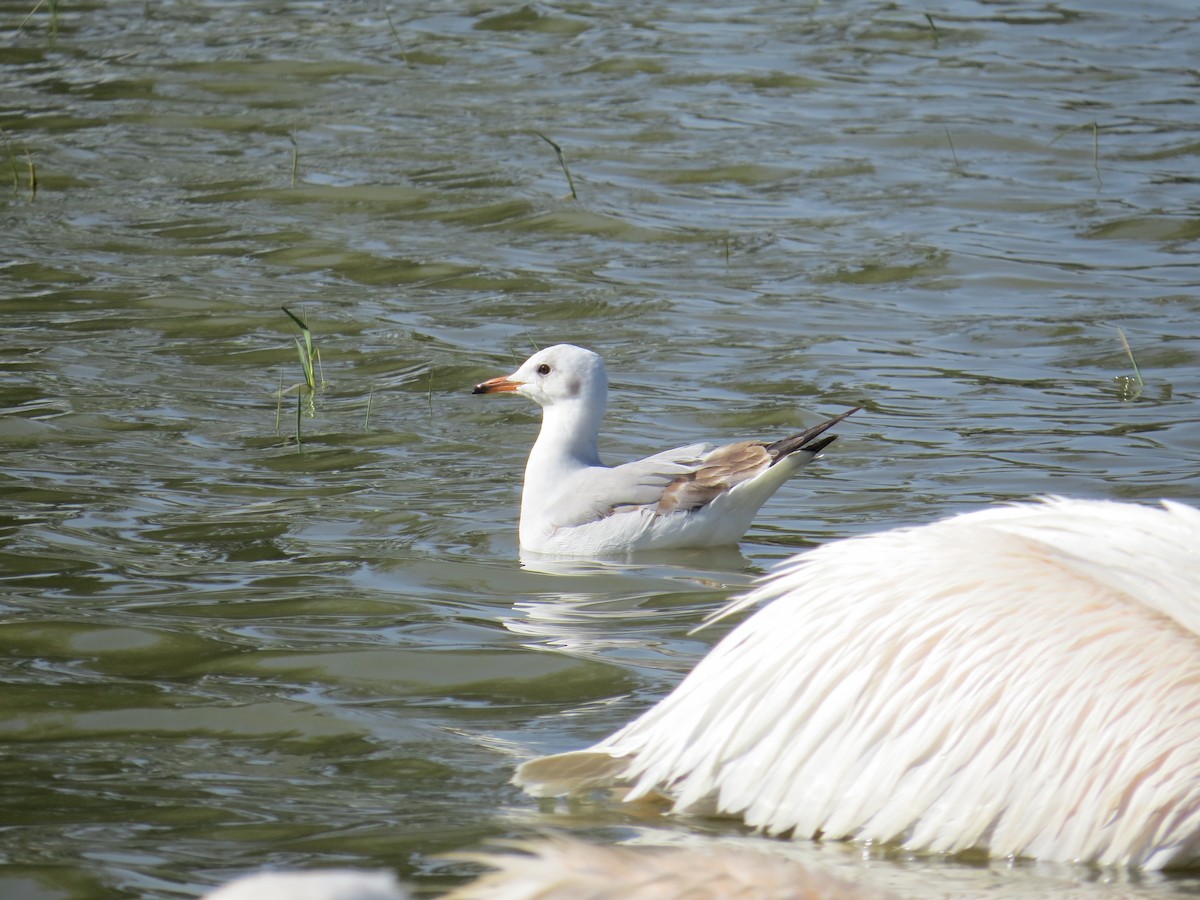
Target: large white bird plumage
x: 562, y: 868
x: 1022, y: 680
x: 693, y: 496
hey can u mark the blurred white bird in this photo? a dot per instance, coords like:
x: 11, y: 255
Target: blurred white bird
x: 313, y: 884
x: 693, y: 496
x: 560, y: 868
x: 1023, y: 680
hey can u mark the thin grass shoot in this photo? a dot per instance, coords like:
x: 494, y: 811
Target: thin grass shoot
x: 933, y: 29
x: 1131, y: 388
x: 562, y: 162
x: 53, y: 7
x: 32, y: 12
x: 396, y: 35
x: 33, y: 182
x: 1095, y: 127
x: 279, y: 402
x: 950, y: 141
x: 295, y: 155
x: 305, y: 350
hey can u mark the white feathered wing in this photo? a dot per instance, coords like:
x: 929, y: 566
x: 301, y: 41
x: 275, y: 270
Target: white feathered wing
x: 1023, y: 680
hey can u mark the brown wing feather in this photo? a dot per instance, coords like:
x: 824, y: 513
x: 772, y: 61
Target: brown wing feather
x: 726, y: 467
x: 723, y: 468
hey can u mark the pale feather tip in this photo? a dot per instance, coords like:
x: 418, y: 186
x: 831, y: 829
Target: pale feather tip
x: 568, y: 773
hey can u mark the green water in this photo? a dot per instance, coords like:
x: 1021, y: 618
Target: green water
x: 221, y: 649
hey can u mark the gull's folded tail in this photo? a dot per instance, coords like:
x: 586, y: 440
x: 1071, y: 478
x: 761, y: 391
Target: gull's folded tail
x: 781, y: 449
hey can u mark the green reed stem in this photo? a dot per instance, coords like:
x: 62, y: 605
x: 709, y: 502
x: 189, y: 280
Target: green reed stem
x: 562, y: 162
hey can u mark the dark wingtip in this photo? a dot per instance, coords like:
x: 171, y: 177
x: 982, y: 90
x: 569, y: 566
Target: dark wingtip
x: 820, y: 445
x: 807, y: 440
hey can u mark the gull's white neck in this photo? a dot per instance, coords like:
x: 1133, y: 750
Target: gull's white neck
x: 567, y: 439
x: 565, y: 444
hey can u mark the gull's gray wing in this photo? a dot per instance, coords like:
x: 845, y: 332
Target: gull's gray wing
x: 683, y: 479
x: 594, y: 493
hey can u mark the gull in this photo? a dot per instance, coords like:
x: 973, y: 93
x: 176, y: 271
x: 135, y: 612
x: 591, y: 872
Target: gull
x: 1022, y: 681
x: 693, y: 496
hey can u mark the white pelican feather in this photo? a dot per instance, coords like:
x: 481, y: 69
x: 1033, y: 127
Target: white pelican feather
x: 1023, y: 680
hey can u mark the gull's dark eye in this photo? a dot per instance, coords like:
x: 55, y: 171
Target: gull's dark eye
x: 543, y: 369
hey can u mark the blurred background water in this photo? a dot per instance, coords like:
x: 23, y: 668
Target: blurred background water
x: 221, y: 649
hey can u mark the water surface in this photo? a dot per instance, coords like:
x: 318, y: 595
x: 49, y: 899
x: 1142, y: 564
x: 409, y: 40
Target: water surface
x: 222, y: 649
